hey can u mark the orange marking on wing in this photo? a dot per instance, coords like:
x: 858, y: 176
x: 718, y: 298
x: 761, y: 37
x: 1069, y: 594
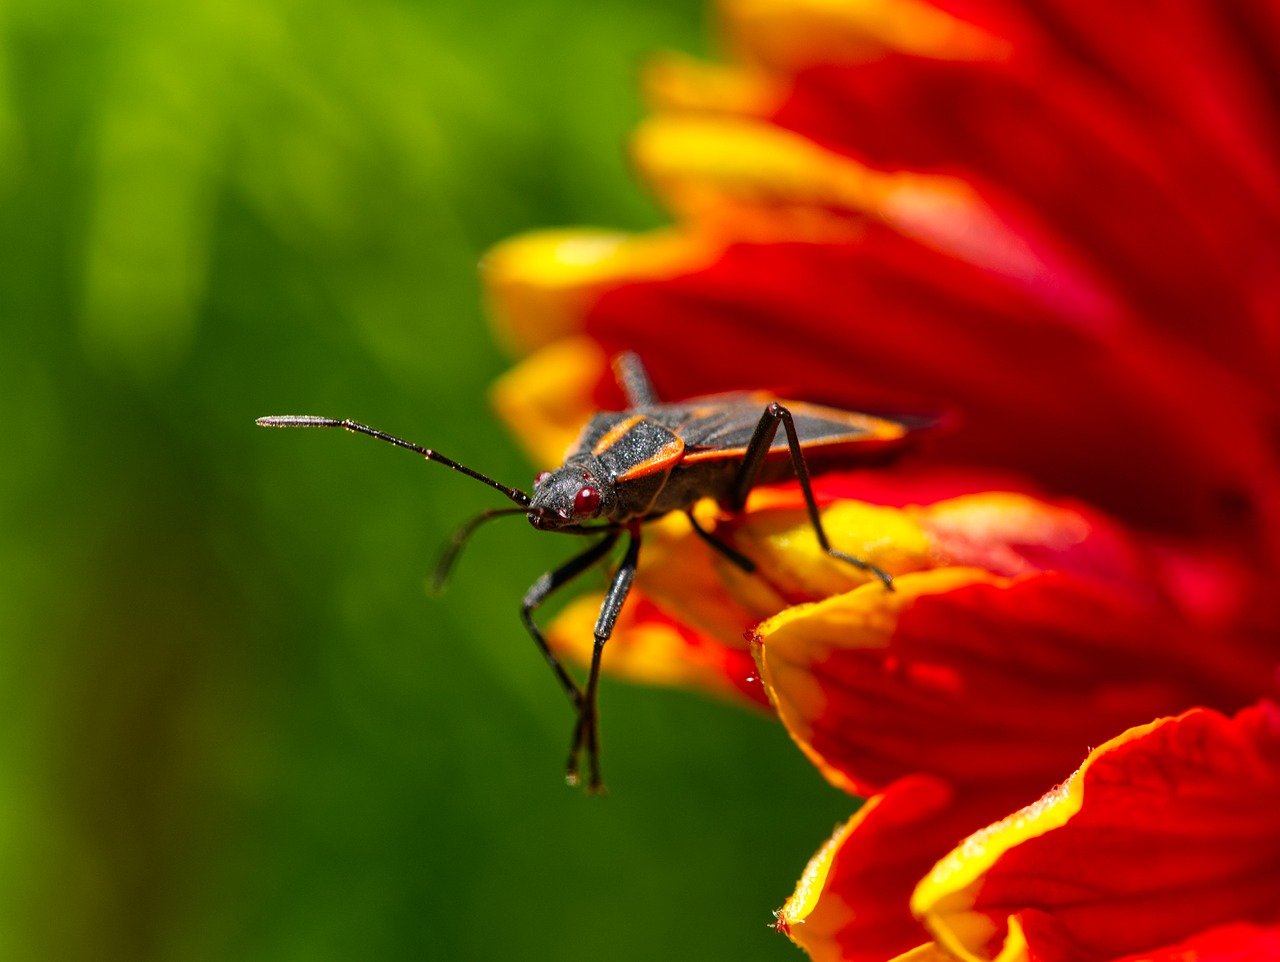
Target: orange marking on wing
x: 615, y: 434
x: 878, y: 428
x: 860, y: 443
x: 871, y: 432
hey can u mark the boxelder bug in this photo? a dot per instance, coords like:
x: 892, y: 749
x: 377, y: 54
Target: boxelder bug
x: 631, y: 466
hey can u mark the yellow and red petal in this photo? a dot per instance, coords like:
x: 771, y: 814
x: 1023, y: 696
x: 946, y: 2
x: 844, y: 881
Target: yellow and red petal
x: 684, y: 581
x: 985, y: 681
x: 1114, y: 592
x: 1069, y: 282
x: 745, y: 180
x: 1037, y: 393
x: 1166, y: 832
x: 1140, y: 165
x: 785, y: 35
x: 925, y: 520
x: 689, y: 620
x: 1125, y: 209
x: 691, y: 604
x: 697, y: 586
x: 649, y: 647
x: 851, y: 903
x: 540, y: 285
x: 1224, y: 105
x: 792, y: 563
x: 845, y: 323
x: 1036, y: 217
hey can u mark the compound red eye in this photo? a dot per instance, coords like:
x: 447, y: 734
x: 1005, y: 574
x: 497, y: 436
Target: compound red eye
x: 542, y: 476
x: 586, y: 501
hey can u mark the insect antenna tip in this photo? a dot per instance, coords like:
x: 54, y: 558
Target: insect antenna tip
x: 296, y: 421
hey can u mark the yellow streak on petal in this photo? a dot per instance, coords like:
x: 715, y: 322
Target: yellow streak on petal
x: 701, y: 588
x: 540, y: 285
x: 786, y: 549
x: 809, y: 890
x: 675, y: 81
x: 991, y: 524
x: 1005, y: 512
x: 793, y: 33
x: 944, y: 900
x: 747, y: 179
x: 793, y: 642
x: 546, y: 398
x: 1015, y: 947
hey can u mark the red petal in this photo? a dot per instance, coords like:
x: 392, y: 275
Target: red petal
x: 1168, y: 222
x: 1167, y: 830
x: 1210, y: 66
x: 851, y: 905
x: 1235, y: 942
x: 986, y: 684
x: 651, y: 648
x: 1050, y: 941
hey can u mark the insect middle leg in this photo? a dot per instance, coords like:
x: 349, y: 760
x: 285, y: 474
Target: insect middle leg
x: 727, y: 550
x: 758, y: 449
x: 586, y: 733
x: 543, y: 587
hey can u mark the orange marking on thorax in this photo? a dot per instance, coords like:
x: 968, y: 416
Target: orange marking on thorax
x: 664, y: 459
x: 616, y: 434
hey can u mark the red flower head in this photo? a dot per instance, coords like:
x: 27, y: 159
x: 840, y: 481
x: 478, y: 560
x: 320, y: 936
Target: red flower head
x: 1058, y: 223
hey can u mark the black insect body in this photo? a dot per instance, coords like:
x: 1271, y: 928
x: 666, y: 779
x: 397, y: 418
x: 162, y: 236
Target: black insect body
x: 631, y: 466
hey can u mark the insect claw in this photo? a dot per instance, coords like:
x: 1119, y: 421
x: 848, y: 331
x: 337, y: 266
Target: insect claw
x: 572, y: 775
x: 881, y: 575
x: 584, y: 739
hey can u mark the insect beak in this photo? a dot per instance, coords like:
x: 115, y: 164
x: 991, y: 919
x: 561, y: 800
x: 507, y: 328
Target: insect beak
x: 544, y: 518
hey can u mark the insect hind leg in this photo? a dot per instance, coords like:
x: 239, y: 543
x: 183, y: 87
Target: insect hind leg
x: 753, y: 461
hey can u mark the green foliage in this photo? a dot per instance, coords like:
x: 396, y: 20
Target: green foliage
x: 234, y: 726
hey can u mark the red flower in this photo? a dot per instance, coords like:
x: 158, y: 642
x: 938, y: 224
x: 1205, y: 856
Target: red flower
x: 1060, y: 223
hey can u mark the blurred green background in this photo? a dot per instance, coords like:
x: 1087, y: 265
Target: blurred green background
x: 235, y: 726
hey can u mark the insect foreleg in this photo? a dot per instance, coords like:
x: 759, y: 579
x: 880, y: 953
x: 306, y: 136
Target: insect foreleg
x: 543, y: 587
x: 586, y: 733
x: 450, y: 554
x: 753, y: 460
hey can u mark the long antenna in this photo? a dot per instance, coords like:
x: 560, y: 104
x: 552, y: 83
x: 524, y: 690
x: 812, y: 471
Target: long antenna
x: 311, y: 421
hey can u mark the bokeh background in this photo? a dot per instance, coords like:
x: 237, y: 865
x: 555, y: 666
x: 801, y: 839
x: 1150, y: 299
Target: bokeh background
x: 235, y: 726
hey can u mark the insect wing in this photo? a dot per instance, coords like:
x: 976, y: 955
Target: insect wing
x: 721, y: 428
